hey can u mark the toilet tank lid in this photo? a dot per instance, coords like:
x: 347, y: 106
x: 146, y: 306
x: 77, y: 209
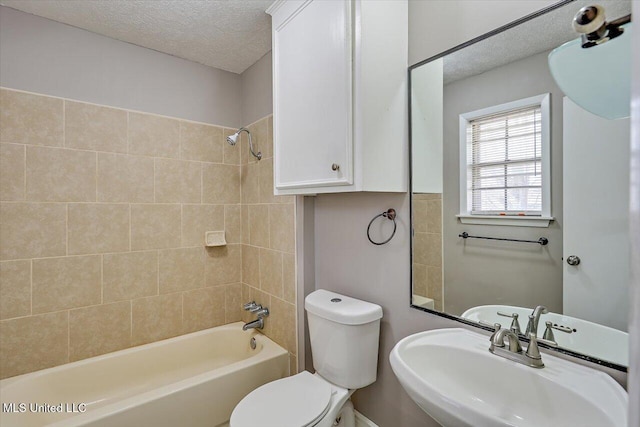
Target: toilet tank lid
x: 341, y: 309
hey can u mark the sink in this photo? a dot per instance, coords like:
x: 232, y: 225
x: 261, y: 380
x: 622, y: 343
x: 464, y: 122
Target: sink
x: 453, y: 377
x: 590, y: 338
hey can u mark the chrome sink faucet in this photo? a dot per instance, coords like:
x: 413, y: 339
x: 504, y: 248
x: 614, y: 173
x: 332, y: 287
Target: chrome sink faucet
x: 260, y: 311
x: 534, y: 319
x: 531, y: 357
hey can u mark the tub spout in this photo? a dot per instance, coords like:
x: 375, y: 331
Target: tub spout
x: 257, y: 324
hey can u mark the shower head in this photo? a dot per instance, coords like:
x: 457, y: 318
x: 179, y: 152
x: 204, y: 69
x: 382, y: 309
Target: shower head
x: 591, y: 22
x: 233, y: 139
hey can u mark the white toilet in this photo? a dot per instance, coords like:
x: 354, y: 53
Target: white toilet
x: 344, y: 336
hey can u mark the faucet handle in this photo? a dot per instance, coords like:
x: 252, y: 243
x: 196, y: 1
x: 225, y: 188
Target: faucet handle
x: 255, y: 308
x: 548, y: 333
x: 248, y: 306
x: 496, y: 327
x: 262, y: 313
x: 515, y: 324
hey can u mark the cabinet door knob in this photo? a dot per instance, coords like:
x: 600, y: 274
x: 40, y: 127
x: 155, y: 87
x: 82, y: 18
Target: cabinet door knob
x: 335, y: 167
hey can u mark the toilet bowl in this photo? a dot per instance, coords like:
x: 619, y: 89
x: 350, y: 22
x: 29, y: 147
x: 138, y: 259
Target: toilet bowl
x: 302, y: 400
x: 344, y: 334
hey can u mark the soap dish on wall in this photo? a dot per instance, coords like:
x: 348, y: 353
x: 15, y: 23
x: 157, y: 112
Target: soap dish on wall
x: 214, y: 238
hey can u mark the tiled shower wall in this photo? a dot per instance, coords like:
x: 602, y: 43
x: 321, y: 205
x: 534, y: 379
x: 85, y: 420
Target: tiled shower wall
x: 427, y: 247
x: 102, y: 221
x: 268, y: 241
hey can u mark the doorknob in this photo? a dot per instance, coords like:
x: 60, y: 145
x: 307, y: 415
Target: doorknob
x: 573, y: 260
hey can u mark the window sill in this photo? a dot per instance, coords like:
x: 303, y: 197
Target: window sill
x: 513, y: 221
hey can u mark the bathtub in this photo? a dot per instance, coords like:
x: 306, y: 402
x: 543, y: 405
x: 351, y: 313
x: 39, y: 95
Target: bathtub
x: 191, y: 380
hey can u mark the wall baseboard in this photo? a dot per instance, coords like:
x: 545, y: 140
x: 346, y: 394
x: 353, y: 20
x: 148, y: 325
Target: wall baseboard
x: 362, y: 421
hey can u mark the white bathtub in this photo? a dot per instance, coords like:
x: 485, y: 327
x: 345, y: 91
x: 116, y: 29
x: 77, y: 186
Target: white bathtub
x: 190, y: 380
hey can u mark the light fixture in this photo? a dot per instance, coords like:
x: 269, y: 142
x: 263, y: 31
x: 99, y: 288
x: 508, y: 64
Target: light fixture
x: 594, y: 71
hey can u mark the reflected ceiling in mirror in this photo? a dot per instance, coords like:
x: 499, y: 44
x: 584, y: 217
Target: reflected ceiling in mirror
x: 499, y: 151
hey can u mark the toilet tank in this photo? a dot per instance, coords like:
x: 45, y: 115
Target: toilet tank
x: 344, y: 334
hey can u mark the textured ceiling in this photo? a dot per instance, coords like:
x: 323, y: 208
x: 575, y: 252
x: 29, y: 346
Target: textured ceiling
x: 538, y: 35
x: 230, y: 35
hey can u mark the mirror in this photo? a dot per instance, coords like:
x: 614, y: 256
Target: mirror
x: 519, y: 196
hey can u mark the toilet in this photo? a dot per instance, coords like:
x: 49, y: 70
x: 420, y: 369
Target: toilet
x: 344, y: 335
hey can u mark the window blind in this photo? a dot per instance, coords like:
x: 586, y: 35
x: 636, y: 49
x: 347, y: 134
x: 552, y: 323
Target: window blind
x: 504, y: 163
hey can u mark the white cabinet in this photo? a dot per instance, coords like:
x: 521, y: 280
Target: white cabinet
x: 339, y: 96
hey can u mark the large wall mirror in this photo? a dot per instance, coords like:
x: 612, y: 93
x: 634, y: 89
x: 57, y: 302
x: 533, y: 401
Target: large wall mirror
x: 519, y: 191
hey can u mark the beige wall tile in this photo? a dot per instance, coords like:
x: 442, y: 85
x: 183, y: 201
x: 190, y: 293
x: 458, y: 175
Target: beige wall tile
x: 271, y: 272
x: 233, y: 302
x: 92, y: 127
x: 434, y: 216
x: 32, y: 230
x: 154, y: 135
x: 155, y: 226
x: 63, y: 283
x: 426, y: 196
x: 251, y: 265
x: 223, y: 265
x: 31, y: 343
x: 197, y: 220
x: 178, y: 181
x: 12, y: 171
x: 293, y: 364
x: 232, y: 223
x: 265, y: 173
x: 124, y: 178
x: 434, y: 250
x: 231, y: 152
x: 201, y: 142
x: 420, y: 216
x: 282, y: 227
x: 282, y: 323
x: 129, y: 275
x: 30, y: 119
x: 60, y: 175
x: 244, y: 222
x: 97, y: 228
x: 156, y: 318
x: 259, y: 225
x: 220, y: 184
x: 420, y: 248
x: 249, y: 180
x: 289, y: 277
x: 99, y: 329
x: 203, y: 309
x: 181, y: 269
x: 261, y: 139
x: 435, y: 286
x: 420, y: 280
x: 15, y: 289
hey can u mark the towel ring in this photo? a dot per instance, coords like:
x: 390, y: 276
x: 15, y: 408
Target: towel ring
x: 389, y: 214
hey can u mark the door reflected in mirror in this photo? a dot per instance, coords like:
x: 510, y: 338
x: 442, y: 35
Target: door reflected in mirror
x: 519, y: 195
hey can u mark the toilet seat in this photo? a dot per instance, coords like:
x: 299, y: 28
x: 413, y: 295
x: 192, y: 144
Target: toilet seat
x: 297, y: 401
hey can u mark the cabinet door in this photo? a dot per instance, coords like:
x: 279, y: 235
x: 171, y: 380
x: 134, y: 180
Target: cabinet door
x: 313, y: 133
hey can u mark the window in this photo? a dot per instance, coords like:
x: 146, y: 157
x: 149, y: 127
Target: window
x: 504, y: 163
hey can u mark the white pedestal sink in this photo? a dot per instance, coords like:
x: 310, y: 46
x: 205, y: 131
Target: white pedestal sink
x: 453, y: 377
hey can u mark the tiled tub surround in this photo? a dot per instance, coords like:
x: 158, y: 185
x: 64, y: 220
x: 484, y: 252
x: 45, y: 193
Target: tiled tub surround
x: 268, y: 241
x: 102, y: 219
x: 427, y: 247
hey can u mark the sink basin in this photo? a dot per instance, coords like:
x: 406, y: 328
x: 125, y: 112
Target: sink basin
x: 453, y: 377
x: 589, y: 338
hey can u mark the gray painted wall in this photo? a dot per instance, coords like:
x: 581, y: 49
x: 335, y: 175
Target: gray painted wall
x: 257, y: 90
x: 483, y: 272
x: 47, y: 57
x: 347, y: 263
x: 634, y: 320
